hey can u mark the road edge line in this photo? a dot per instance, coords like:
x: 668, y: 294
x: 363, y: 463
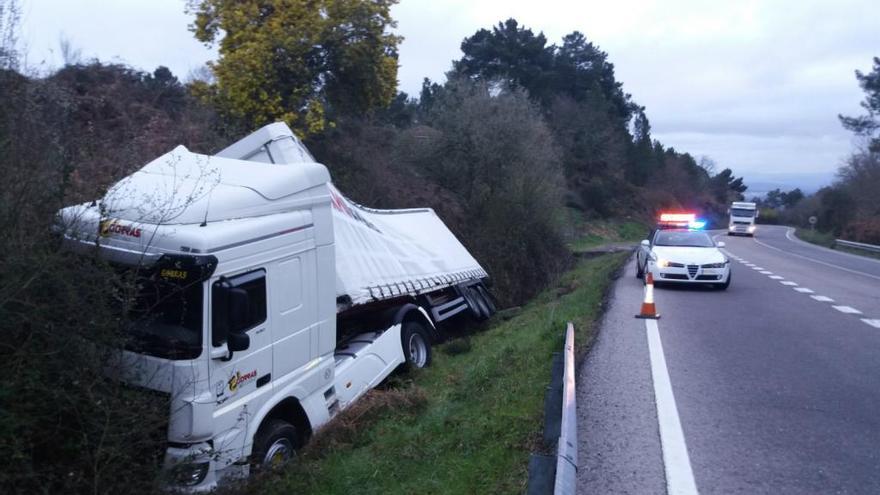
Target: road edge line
x: 676, y: 461
x: 817, y: 261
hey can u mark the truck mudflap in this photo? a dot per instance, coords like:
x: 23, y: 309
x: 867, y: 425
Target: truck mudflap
x: 364, y: 361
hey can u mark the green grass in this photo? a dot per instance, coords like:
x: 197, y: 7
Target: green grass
x: 466, y: 424
x: 827, y: 240
x: 594, y: 233
x: 815, y: 237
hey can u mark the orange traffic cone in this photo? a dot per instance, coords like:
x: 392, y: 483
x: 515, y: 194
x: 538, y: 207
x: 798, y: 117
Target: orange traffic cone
x: 648, y: 308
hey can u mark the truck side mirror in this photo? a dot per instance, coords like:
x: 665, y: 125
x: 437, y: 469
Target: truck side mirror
x: 237, y: 309
x: 238, y: 341
x: 231, y: 315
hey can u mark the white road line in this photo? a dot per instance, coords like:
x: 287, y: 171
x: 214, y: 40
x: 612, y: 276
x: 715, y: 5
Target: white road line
x: 788, y: 283
x: 847, y: 310
x: 822, y: 298
x: 765, y: 272
x: 804, y: 290
x: 758, y: 268
x: 676, y: 462
x: 873, y: 323
x: 817, y: 261
x: 776, y: 277
x: 749, y: 265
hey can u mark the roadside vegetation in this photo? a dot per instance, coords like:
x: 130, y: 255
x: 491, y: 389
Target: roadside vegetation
x: 827, y: 239
x: 467, y: 423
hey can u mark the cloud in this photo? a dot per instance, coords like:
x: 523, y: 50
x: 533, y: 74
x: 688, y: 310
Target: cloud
x: 755, y: 84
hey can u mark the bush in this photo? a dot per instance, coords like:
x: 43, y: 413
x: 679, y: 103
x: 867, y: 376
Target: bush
x: 495, y: 153
x: 65, y: 427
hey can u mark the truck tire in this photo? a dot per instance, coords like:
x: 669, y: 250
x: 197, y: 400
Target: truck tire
x: 471, y: 300
x: 482, y: 305
x: 275, y: 444
x: 416, y: 345
x: 487, y: 298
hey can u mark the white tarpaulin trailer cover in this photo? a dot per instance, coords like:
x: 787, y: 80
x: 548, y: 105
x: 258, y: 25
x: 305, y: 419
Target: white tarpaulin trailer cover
x: 384, y: 253
x: 235, y: 195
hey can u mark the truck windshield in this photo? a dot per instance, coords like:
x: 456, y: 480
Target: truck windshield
x: 165, y: 313
x: 166, y: 320
x: 741, y: 212
x: 682, y: 238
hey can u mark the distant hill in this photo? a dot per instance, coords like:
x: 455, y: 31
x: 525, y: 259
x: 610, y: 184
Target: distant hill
x: 759, y: 184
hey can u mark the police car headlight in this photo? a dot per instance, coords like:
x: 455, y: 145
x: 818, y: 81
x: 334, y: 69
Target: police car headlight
x: 662, y: 263
x: 714, y: 265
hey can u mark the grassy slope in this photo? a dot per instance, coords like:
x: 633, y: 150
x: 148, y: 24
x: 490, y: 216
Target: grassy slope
x: 591, y: 233
x: 467, y: 423
x: 827, y: 240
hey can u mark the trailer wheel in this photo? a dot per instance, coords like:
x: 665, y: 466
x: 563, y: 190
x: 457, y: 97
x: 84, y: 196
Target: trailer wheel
x: 274, y: 445
x: 416, y: 345
x: 471, y: 301
x: 487, y: 298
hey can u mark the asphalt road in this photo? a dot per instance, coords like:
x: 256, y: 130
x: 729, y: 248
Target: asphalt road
x: 775, y: 382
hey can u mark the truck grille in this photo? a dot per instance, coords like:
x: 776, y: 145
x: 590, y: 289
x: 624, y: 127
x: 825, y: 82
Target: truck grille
x: 692, y: 270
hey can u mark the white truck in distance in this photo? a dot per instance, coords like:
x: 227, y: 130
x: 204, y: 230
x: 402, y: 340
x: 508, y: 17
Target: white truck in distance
x: 268, y: 302
x: 742, y: 218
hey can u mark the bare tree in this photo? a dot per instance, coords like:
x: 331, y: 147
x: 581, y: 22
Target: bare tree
x: 70, y: 54
x: 10, y: 16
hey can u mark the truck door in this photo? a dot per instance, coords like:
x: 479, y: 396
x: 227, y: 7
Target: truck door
x: 240, y: 379
x: 293, y: 281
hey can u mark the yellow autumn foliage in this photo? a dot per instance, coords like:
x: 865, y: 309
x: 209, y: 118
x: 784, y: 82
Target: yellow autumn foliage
x: 298, y: 61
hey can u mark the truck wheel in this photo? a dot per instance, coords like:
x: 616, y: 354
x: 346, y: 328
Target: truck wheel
x: 416, y: 345
x: 472, y: 303
x: 487, y: 298
x: 482, y: 305
x: 274, y: 445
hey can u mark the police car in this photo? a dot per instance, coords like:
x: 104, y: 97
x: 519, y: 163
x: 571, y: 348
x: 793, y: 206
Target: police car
x: 680, y: 252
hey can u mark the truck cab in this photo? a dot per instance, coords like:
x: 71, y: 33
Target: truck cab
x: 239, y: 311
x: 742, y: 218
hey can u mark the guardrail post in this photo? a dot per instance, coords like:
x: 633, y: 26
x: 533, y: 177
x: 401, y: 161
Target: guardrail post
x: 566, y: 453
x: 557, y: 474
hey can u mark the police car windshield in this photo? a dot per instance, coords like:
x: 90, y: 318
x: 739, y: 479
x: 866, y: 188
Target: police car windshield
x: 682, y: 238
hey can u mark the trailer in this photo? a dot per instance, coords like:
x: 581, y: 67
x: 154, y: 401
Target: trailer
x: 267, y: 302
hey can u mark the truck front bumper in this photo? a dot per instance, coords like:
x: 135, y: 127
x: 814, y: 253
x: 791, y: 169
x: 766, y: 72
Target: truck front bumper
x: 189, y: 469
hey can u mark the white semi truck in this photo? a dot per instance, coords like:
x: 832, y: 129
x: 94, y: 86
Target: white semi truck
x: 267, y: 301
x: 742, y: 218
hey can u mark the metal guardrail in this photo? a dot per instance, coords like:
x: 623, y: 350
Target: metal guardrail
x: 557, y: 474
x: 566, y: 453
x: 858, y: 245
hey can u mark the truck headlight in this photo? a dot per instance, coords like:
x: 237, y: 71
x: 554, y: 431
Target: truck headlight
x: 751, y: 228
x: 732, y: 227
x: 190, y: 473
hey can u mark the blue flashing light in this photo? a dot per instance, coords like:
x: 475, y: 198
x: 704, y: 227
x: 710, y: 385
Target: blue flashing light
x: 697, y: 224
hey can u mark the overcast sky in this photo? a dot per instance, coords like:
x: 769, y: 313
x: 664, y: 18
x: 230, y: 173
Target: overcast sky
x: 755, y: 85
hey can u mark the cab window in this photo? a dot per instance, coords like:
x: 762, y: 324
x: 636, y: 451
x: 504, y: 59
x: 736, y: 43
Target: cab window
x: 253, y: 313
